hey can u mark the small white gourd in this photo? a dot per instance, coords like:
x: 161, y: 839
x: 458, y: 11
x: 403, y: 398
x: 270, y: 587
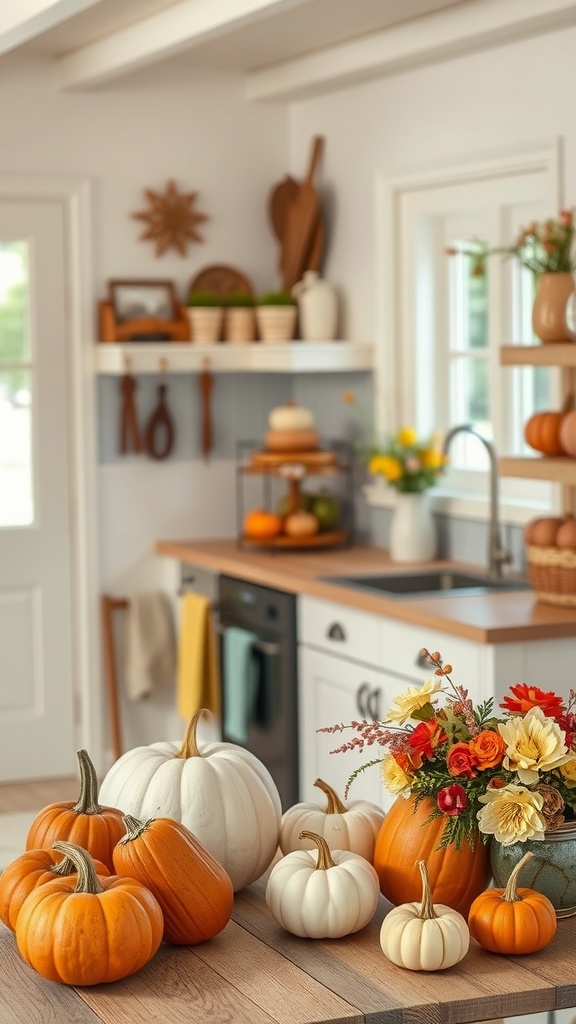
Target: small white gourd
x: 353, y: 826
x: 291, y: 417
x: 318, y: 894
x: 424, y: 936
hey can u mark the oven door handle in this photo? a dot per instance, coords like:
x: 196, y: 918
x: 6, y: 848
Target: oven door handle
x: 266, y: 647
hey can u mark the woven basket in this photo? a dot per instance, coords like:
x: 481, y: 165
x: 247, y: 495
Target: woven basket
x: 552, y: 572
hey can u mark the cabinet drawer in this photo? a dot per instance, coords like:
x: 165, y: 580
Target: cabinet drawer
x: 402, y: 646
x: 340, y: 630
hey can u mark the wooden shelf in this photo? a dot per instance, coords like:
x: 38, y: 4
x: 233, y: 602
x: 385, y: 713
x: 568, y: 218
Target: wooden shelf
x: 254, y: 357
x: 561, y: 470
x: 563, y: 355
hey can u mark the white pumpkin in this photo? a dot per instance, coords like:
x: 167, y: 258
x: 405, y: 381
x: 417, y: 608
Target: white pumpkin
x: 319, y: 894
x: 291, y: 417
x: 220, y: 791
x: 424, y: 936
x: 353, y: 826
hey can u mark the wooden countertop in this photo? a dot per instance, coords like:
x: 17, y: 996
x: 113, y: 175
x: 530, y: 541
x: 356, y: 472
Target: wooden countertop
x: 514, y: 616
x: 255, y: 973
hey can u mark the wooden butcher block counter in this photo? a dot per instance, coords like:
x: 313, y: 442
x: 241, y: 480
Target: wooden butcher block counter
x: 255, y: 973
x: 511, y: 616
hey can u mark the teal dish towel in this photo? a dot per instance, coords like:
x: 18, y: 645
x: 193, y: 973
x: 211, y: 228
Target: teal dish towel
x: 239, y: 682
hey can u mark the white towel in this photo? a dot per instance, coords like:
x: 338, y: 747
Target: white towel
x: 150, y: 646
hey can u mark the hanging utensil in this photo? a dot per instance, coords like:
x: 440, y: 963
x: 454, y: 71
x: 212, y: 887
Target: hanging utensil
x: 130, y: 439
x: 159, y: 437
x: 206, y: 384
x: 302, y: 218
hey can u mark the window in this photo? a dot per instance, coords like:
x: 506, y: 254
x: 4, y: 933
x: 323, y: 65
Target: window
x: 448, y: 325
x: 16, y: 499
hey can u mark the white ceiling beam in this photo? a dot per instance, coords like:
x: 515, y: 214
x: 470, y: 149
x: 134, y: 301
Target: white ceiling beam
x: 439, y: 36
x: 178, y: 28
x: 23, y: 20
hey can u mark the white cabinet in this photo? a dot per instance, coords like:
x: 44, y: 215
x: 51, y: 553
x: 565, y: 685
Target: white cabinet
x: 351, y: 665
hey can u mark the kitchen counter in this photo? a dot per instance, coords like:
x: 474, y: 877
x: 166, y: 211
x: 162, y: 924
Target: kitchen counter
x: 512, y: 616
x: 256, y: 973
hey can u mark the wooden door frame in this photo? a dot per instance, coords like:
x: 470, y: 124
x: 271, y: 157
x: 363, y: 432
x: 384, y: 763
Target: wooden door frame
x: 74, y: 196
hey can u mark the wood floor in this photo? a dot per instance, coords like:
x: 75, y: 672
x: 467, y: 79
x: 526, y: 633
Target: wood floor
x: 26, y: 796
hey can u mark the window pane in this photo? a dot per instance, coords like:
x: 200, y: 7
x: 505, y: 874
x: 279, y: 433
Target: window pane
x: 16, y: 498
x: 14, y: 292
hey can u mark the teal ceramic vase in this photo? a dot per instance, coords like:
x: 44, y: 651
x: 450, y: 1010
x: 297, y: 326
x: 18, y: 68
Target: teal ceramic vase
x: 551, y: 871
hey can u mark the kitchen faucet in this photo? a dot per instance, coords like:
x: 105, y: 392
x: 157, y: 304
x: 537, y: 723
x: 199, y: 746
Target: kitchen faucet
x: 497, y: 555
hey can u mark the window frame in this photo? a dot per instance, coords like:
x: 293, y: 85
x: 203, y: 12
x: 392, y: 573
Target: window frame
x: 396, y: 384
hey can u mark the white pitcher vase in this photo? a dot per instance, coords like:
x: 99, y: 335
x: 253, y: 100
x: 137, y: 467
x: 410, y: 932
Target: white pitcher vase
x: 412, y: 530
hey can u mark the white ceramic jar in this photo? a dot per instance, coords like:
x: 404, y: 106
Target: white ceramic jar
x: 317, y: 308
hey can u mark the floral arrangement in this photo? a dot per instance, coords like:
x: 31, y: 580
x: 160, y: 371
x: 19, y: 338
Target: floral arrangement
x: 408, y: 463
x: 512, y: 777
x: 544, y: 248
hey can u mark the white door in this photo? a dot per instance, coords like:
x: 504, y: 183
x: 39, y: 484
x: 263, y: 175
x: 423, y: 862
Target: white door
x: 36, y: 698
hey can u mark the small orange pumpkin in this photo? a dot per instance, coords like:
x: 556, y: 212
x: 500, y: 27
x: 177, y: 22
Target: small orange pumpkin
x: 94, y: 828
x: 29, y: 871
x: 97, y: 930
x: 513, y: 920
x: 568, y: 433
x: 405, y: 837
x: 542, y: 432
x: 193, y: 889
x: 262, y: 525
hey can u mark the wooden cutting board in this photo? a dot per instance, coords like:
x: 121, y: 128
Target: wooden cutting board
x: 302, y: 218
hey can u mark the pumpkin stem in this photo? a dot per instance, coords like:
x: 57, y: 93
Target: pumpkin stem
x: 134, y: 828
x: 324, y: 856
x: 88, y: 799
x: 426, y: 912
x: 334, y: 805
x: 82, y: 861
x: 189, y: 746
x: 64, y: 867
x: 510, y: 894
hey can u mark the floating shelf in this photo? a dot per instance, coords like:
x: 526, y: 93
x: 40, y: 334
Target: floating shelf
x: 254, y: 357
x: 560, y: 470
x: 539, y: 355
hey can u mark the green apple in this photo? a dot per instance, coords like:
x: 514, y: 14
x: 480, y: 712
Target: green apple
x: 326, y: 509
x: 283, y: 506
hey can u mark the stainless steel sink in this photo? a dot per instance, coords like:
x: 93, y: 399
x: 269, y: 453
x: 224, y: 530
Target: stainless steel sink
x: 429, y: 583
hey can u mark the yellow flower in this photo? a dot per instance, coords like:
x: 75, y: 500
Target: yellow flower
x: 386, y: 465
x: 511, y: 815
x: 431, y: 458
x: 413, y: 699
x: 534, y: 744
x: 568, y: 772
x: 394, y: 777
x: 406, y: 437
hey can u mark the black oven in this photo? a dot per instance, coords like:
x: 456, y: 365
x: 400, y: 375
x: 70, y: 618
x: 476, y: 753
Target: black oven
x: 258, y: 664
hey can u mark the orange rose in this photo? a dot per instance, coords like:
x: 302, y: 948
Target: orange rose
x: 487, y: 749
x: 459, y: 760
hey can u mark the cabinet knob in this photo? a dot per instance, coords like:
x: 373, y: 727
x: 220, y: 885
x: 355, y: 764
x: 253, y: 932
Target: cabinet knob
x: 335, y: 632
x: 373, y: 704
x: 362, y: 700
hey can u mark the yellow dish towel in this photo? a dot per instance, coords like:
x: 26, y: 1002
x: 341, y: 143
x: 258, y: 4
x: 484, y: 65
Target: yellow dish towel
x: 198, y: 667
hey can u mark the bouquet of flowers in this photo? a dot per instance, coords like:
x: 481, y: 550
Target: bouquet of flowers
x: 408, y: 463
x: 512, y: 777
x: 544, y: 248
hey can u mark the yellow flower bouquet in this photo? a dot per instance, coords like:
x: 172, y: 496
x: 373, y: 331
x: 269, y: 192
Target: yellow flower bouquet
x: 512, y: 777
x: 408, y: 463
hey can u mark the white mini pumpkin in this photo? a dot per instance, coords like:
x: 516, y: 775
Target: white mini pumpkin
x: 352, y: 826
x: 319, y: 894
x: 424, y: 936
x: 291, y: 417
x: 220, y: 791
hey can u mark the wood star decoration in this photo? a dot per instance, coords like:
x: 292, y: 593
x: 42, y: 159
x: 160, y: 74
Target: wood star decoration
x: 171, y: 219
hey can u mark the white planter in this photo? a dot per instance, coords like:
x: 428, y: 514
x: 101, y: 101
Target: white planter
x: 276, y: 323
x: 317, y: 308
x: 239, y: 325
x: 205, y: 324
x: 413, y: 530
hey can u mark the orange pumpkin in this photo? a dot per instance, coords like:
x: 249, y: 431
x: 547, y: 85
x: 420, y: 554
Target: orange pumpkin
x: 513, y: 920
x: 29, y: 871
x: 98, y: 930
x: 542, y: 432
x: 94, y: 828
x: 262, y: 525
x: 456, y: 876
x: 568, y: 433
x: 193, y: 889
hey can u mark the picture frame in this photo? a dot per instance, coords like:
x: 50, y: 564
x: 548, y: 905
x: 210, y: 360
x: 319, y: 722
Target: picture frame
x: 142, y: 299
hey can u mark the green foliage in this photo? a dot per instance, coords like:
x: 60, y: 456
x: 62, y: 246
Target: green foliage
x: 204, y: 298
x: 239, y: 299
x: 278, y: 298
